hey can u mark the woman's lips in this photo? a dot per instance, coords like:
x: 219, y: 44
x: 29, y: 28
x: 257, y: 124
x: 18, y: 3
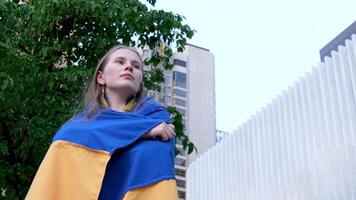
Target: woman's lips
x: 127, y: 76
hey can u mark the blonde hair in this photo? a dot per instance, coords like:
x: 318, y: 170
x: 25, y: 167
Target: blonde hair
x: 93, y: 100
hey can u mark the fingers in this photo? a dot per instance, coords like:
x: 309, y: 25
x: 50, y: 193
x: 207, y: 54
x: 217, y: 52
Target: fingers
x: 168, y: 132
x: 164, y: 137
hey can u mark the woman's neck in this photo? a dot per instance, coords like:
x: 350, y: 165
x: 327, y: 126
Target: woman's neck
x: 117, y: 100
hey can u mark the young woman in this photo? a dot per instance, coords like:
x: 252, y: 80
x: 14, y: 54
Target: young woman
x: 120, y: 147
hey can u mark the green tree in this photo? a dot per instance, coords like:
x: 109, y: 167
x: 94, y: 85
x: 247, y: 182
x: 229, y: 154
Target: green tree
x: 48, y: 51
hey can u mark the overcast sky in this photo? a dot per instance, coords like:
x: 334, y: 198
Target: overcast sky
x: 260, y: 46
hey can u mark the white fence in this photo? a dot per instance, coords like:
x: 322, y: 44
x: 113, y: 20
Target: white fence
x: 302, y: 145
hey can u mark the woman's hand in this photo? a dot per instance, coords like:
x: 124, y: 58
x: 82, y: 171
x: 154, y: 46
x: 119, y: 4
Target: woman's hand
x: 163, y: 130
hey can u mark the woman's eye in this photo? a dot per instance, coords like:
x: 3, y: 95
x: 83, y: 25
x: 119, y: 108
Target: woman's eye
x: 137, y: 66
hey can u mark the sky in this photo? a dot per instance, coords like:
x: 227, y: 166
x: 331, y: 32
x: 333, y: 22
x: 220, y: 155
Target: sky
x: 260, y: 47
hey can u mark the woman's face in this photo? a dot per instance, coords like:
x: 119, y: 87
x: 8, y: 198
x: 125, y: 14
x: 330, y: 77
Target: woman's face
x: 123, y: 72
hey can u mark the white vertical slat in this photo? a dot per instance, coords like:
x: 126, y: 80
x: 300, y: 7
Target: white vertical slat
x: 224, y: 178
x: 346, y: 104
x: 204, y: 173
x: 330, y: 126
x: 286, y: 141
x: 249, y: 174
x: 321, y: 159
x: 198, y: 191
x: 333, y: 101
x: 304, y: 142
x: 261, y: 154
x: 295, y: 102
x: 351, y: 48
x: 270, y: 169
x: 191, y: 179
x: 211, y: 164
x: 260, y: 157
x: 313, y: 136
x: 339, y: 129
x: 254, y: 163
x: 326, y: 105
x: 191, y: 176
x: 340, y: 98
x: 276, y: 154
x: 244, y: 163
x: 198, y: 176
x: 281, y: 145
x: 350, y: 70
x: 228, y: 159
x: 215, y: 175
x: 289, y: 146
x: 235, y: 166
x: 335, y: 145
x: 291, y: 119
x: 347, y: 82
x: 244, y: 144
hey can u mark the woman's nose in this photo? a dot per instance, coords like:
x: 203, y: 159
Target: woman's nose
x: 128, y: 66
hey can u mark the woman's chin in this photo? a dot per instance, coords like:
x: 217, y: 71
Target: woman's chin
x: 128, y: 89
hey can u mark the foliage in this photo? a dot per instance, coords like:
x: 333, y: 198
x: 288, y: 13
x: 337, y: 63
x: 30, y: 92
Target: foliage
x: 179, y: 131
x: 48, y: 50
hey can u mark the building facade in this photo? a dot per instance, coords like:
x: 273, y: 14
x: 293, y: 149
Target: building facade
x: 302, y: 145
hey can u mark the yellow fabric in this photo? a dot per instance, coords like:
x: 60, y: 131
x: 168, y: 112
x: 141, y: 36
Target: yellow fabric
x: 164, y: 190
x: 103, y: 101
x: 69, y: 171
x: 130, y: 105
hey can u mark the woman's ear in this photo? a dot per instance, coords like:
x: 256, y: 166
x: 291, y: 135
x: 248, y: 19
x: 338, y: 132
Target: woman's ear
x: 100, y: 78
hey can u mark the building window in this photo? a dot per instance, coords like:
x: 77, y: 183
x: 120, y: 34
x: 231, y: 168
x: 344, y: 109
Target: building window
x: 180, y: 161
x: 168, y: 80
x: 181, y: 111
x: 180, y: 183
x: 180, y: 93
x: 180, y: 79
x: 180, y: 62
x: 181, y: 194
x: 168, y: 100
x: 168, y: 91
x: 180, y: 172
x: 180, y: 150
x: 179, y: 102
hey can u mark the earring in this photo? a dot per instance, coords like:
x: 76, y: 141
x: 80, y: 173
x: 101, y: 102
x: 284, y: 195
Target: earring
x: 102, y: 97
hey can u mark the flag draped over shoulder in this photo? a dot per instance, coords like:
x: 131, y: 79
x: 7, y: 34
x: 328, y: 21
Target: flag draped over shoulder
x: 105, y: 157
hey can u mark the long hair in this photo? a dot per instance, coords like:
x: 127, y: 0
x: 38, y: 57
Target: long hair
x: 93, y: 100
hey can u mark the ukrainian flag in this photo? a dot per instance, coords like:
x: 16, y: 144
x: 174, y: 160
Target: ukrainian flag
x: 106, y: 158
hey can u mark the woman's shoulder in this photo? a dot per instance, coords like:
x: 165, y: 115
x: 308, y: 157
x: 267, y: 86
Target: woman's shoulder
x: 150, y: 107
x: 147, y: 103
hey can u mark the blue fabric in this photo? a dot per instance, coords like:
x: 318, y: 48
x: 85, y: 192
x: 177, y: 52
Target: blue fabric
x: 112, y: 130
x: 140, y: 164
x: 135, y: 162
